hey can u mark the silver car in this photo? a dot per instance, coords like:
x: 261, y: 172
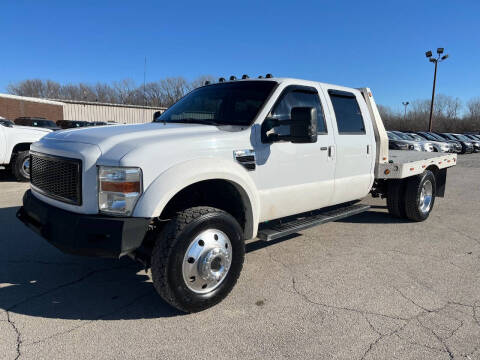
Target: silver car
x: 438, y: 146
x: 418, y: 145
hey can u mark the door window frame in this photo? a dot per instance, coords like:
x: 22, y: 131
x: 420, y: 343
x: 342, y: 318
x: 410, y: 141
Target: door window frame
x: 303, y: 88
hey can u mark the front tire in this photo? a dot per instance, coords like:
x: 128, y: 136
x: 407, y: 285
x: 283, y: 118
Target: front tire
x: 21, y: 166
x: 420, y: 196
x: 197, y: 258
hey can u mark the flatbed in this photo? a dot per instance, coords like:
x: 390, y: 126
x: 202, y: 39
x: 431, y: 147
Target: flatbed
x: 403, y: 164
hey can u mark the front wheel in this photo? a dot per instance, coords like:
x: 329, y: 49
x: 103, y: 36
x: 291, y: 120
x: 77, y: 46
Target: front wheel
x: 197, y: 258
x: 21, y: 166
x: 420, y: 196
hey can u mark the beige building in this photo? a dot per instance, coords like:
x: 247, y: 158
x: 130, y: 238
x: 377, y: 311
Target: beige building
x: 13, y: 106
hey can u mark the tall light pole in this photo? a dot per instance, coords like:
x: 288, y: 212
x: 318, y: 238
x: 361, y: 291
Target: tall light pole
x: 405, y: 103
x: 434, y: 60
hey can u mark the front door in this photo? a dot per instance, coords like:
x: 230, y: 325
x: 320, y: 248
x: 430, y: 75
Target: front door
x: 294, y: 178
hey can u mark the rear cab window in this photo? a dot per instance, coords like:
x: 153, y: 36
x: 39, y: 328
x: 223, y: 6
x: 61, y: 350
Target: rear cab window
x: 347, y: 113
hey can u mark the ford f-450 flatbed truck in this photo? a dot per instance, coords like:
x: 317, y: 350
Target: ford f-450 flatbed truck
x: 229, y: 162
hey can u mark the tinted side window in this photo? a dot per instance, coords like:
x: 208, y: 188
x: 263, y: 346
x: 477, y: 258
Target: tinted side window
x: 347, y: 112
x: 297, y: 98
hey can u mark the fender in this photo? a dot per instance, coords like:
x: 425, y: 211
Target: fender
x: 169, y: 183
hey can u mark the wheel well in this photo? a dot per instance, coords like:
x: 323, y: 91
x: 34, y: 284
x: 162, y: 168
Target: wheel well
x: 20, y: 147
x: 217, y: 193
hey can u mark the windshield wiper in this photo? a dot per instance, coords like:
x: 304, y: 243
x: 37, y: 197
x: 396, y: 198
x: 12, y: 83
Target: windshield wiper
x: 192, y: 121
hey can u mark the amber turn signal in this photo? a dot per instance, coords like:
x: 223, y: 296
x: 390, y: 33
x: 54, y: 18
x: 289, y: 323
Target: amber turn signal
x: 121, y: 187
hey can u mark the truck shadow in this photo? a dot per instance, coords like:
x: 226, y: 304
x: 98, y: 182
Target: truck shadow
x: 38, y: 280
x: 6, y: 175
x: 373, y: 217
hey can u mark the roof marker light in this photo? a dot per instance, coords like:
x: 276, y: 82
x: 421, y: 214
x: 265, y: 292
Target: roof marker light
x: 269, y: 76
x: 245, y: 76
x: 233, y: 77
x: 260, y: 77
x: 221, y: 79
x: 207, y: 82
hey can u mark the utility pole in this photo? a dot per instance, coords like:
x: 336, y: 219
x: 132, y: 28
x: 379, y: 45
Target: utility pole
x: 405, y: 103
x: 144, y: 78
x: 436, y: 60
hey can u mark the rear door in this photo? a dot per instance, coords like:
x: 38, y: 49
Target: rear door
x: 354, y: 144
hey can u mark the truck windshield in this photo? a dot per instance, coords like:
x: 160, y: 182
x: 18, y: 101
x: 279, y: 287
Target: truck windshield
x: 230, y: 103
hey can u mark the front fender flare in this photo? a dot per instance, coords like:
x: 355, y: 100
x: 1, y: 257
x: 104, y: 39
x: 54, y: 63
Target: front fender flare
x: 157, y: 195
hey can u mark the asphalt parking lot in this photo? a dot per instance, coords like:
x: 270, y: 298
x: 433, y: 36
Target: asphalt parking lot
x: 367, y: 287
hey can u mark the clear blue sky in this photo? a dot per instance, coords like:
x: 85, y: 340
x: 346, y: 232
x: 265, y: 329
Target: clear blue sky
x: 379, y: 44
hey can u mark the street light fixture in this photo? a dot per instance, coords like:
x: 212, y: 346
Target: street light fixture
x: 405, y: 103
x: 434, y: 60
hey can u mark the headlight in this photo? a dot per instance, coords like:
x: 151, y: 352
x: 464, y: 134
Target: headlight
x: 118, y: 189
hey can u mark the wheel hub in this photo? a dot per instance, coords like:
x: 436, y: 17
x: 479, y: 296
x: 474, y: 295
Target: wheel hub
x: 207, y: 261
x: 212, y: 264
x: 426, y: 195
x: 26, y: 165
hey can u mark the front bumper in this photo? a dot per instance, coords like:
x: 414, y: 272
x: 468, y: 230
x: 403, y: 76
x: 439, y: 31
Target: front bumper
x: 79, y: 234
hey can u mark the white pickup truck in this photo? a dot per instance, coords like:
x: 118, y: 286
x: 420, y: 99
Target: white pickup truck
x: 229, y: 162
x: 15, y: 142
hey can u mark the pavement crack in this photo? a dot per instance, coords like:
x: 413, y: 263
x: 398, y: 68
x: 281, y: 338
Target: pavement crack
x: 83, y: 324
x: 333, y: 307
x: 18, y: 335
x: 416, y: 304
x: 380, y: 338
x: 70, y: 283
x: 439, y: 339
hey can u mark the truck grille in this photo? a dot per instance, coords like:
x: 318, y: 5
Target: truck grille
x: 57, y: 177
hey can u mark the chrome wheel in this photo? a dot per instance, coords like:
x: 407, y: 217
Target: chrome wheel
x: 26, y: 166
x: 426, y: 195
x: 207, y: 261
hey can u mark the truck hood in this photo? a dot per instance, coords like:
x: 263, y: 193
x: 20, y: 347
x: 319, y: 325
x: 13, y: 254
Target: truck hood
x: 116, y: 141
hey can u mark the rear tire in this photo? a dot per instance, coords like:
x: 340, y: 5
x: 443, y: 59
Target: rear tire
x: 207, y: 227
x: 21, y: 166
x: 420, y: 196
x: 396, y: 198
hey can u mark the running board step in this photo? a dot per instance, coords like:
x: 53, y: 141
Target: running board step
x: 276, y: 229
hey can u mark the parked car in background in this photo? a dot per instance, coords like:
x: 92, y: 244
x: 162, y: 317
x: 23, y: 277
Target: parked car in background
x: 15, y: 144
x: 438, y: 146
x: 467, y: 146
x: 72, y: 124
x: 36, y: 122
x: 395, y: 142
x: 97, y: 123
x: 419, y: 145
x: 455, y: 145
x: 475, y: 139
x: 6, y: 123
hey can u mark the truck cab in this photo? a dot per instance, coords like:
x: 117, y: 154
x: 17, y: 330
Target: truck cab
x: 229, y: 162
